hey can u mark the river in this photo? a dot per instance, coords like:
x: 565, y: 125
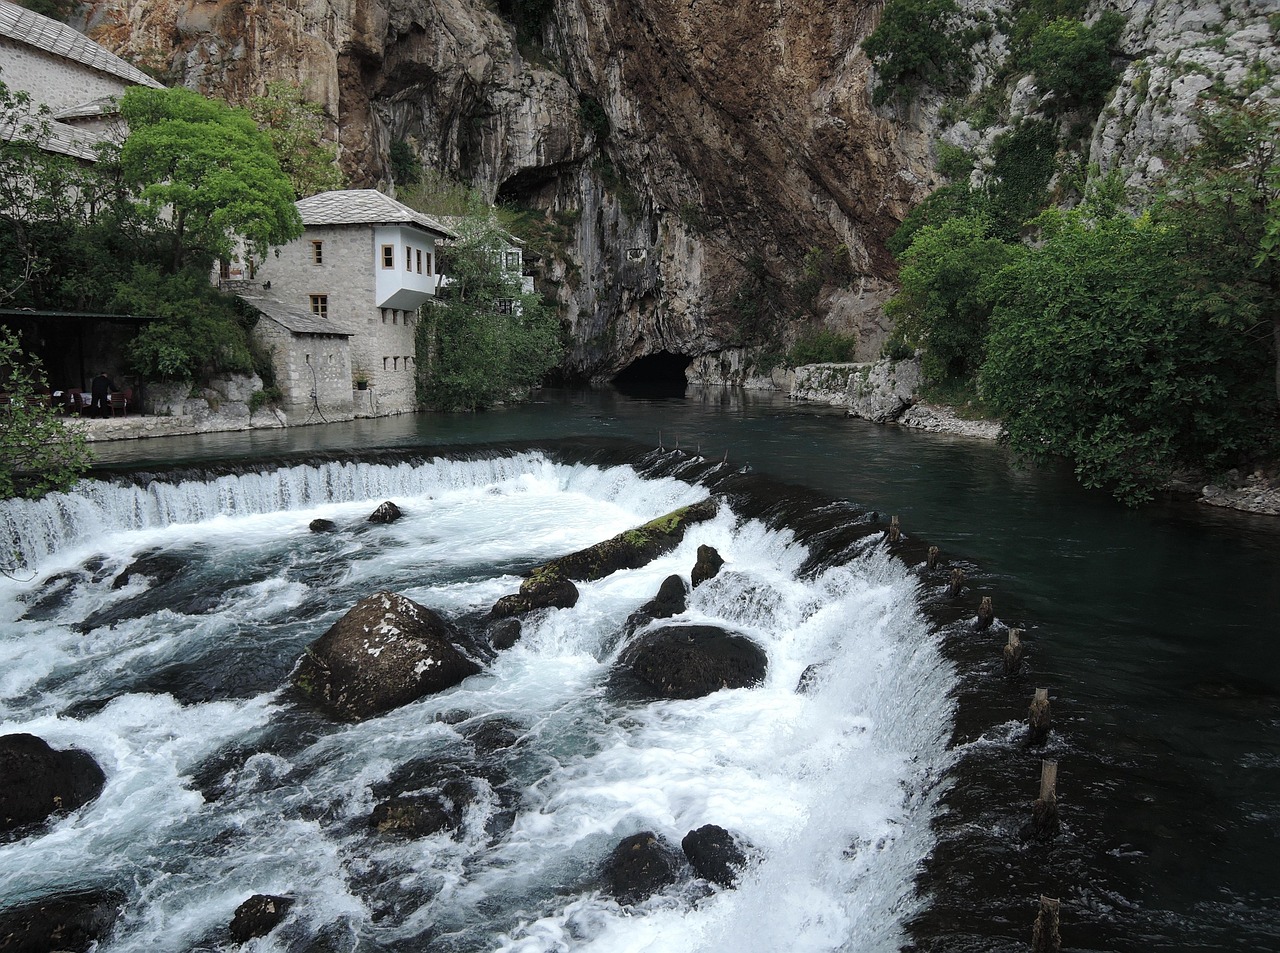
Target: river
x: 1155, y: 632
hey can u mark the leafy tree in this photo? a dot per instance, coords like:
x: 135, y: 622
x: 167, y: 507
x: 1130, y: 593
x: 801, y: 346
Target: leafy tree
x: 212, y: 167
x: 948, y: 286
x: 204, y: 331
x: 406, y: 168
x: 917, y: 43
x: 295, y: 127
x: 38, y: 454
x: 1074, y: 61
x: 1097, y: 355
x: 484, y: 340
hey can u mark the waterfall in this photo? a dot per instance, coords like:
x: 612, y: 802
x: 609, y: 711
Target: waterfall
x: 219, y: 785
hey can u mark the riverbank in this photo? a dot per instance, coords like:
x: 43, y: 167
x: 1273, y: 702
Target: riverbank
x: 97, y: 429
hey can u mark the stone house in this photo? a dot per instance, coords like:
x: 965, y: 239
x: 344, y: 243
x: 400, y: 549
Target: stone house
x: 346, y: 294
x: 77, y: 80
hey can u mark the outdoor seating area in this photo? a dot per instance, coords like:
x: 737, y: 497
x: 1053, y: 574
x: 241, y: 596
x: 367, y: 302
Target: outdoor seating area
x: 76, y: 402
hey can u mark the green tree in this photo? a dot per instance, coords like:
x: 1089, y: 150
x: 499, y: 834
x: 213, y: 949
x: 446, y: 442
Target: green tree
x: 1073, y: 61
x: 1097, y: 354
x: 295, y: 127
x: 211, y: 168
x: 483, y: 341
x: 38, y: 454
x: 204, y: 332
x: 917, y: 43
x: 948, y: 287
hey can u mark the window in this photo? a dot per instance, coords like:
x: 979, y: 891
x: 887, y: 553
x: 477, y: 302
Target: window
x: 406, y: 362
x: 419, y: 260
x: 384, y: 315
x: 320, y: 305
x: 384, y: 363
x: 503, y: 305
x: 429, y: 263
x: 408, y: 259
x: 388, y: 256
x: 317, y: 253
x: 395, y: 317
x: 513, y: 261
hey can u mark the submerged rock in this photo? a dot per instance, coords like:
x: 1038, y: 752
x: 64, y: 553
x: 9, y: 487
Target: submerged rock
x: 36, y: 781
x: 322, y: 526
x: 71, y: 922
x: 386, y: 652
x: 504, y: 633
x: 640, y: 866
x: 415, y: 815
x: 258, y: 916
x: 689, y: 661
x: 714, y: 854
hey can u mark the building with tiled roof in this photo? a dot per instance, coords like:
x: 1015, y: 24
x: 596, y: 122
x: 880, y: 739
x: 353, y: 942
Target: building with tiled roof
x: 364, y: 265
x: 76, y: 79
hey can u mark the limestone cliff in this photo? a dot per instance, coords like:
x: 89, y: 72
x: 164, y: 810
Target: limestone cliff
x: 716, y: 172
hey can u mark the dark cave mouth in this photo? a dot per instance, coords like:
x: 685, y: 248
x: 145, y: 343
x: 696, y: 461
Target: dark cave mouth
x: 654, y: 375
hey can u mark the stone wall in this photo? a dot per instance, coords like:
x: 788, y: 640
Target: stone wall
x: 307, y: 363
x: 56, y: 82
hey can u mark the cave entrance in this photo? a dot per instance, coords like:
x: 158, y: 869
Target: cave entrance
x: 654, y: 375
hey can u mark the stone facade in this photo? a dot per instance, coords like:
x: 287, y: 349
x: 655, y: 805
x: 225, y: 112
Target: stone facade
x: 364, y: 279
x: 313, y: 372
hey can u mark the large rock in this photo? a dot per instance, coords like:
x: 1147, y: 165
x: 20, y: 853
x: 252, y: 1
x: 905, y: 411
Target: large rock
x: 71, y: 922
x: 672, y: 599
x: 546, y: 588
x: 707, y: 566
x: 881, y: 391
x: 689, y: 661
x: 640, y: 866
x: 386, y: 652
x: 714, y: 854
x: 36, y: 781
x: 258, y: 916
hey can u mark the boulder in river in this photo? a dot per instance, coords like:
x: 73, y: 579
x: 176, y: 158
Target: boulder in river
x: 386, y: 512
x: 545, y: 589
x: 258, y: 916
x: 386, y: 652
x: 36, y: 781
x: 689, y: 661
x: 634, y: 548
x: 71, y: 922
x: 707, y: 565
x: 640, y: 866
x: 321, y: 525
x: 672, y: 599
x: 714, y: 854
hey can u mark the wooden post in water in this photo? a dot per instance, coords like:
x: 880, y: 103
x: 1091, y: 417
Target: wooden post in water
x: 934, y: 553
x: 1039, y: 716
x: 895, y: 529
x: 1044, y: 813
x: 1045, y: 937
x: 986, y: 613
x: 1013, y: 653
x: 956, y: 584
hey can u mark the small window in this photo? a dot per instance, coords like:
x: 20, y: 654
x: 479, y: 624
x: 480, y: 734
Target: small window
x: 384, y: 315
x: 503, y: 305
x: 408, y: 259
x: 388, y: 256
x: 320, y: 305
x: 419, y: 260
x: 513, y: 261
x: 395, y: 363
x: 384, y: 363
x: 395, y: 317
x: 429, y: 271
x: 317, y: 253
x: 406, y: 362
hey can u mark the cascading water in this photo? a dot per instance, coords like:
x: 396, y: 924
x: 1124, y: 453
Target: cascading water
x: 220, y: 786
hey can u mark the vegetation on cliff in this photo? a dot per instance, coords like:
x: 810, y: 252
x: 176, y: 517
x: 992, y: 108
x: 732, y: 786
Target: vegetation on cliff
x: 1129, y: 342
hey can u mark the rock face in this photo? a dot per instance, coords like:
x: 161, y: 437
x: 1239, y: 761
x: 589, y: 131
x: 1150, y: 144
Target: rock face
x: 640, y: 866
x: 689, y: 661
x: 36, y: 781
x: 386, y: 652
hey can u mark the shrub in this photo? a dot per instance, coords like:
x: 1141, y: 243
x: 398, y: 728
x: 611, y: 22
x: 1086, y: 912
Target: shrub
x: 1073, y: 61
x: 917, y: 44
x: 822, y: 346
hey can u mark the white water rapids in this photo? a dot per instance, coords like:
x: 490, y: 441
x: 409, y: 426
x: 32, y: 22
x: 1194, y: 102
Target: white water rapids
x: 219, y: 787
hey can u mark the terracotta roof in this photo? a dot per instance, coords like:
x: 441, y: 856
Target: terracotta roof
x: 293, y: 319
x: 22, y: 25
x: 364, y: 207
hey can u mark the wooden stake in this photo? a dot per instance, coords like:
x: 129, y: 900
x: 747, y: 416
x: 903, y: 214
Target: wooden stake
x: 1044, y: 813
x: 1045, y: 936
x: 1013, y: 653
x: 957, y: 583
x: 1039, y: 716
x: 895, y: 530
x: 934, y: 553
x: 986, y: 613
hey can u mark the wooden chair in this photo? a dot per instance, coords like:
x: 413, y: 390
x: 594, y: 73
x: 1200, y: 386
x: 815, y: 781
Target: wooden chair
x: 120, y: 402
